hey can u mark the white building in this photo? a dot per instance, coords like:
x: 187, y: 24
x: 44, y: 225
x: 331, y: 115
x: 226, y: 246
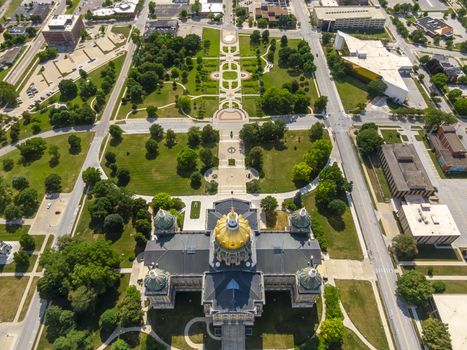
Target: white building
x: 428, y: 223
x: 211, y: 6
x: 333, y: 17
x: 452, y: 309
x: 126, y: 8
x: 371, y: 60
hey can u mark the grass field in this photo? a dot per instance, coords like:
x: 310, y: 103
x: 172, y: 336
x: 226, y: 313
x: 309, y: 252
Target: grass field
x: 422, y: 91
x: 42, y: 119
x: 283, y: 157
x: 125, y: 30
x: 36, y: 172
x: 391, y: 136
x: 429, y: 252
x: 206, y: 85
x: 340, y: 232
x: 456, y: 287
x: 352, y: 92
x: 125, y: 245
x: 377, y: 179
x: 252, y: 105
x: 249, y: 50
x: 11, y: 293
x: 156, y: 98
x: 229, y: 75
x: 360, y: 304
x: 278, y: 76
x: 195, y: 209
x: 213, y: 35
x: 440, y: 270
x: 31, y: 291
x: 73, y: 6
x: 204, y: 107
x: 280, y: 223
x: 149, y: 177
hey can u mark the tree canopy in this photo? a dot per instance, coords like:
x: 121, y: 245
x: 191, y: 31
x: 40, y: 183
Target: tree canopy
x: 414, y: 288
x: 436, y: 335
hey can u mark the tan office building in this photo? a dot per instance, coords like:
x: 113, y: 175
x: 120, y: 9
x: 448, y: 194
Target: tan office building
x: 63, y: 30
x: 332, y: 18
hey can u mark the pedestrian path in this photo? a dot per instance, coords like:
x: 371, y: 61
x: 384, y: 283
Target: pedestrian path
x: 232, y: 173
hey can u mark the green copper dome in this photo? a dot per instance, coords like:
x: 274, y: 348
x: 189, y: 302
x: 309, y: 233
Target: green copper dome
x: 164, y: 220
x: 309, y: 278
x: 300, y: 219
x: 155, y: 280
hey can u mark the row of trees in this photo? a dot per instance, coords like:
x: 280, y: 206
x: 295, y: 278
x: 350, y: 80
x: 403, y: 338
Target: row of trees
x: 332, y: 329
x: 8, y: 94
x: 282, y: 101
x: 266, y: 133
x: 299, y: 59
x: 72, y: 115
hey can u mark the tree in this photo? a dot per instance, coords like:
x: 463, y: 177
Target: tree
x: 113, y: 225
x: 152, y: 7
x: 21, y: 259
x: 206, y: 156
x: 115, y: 131
x: 209, y: 136
x: 265, y: 36
x: 249, y: 134
x: 332, y: 331
x: 143, y: 226
x: 194, y: 137
x: 58, y: 321
x: 196, y: 7
x: 461, y: 106
x: 318, y: 155
x: 418, y: 37
x: 53, y: 183
x: 170, y: 138
x: 108, y: 321
x: 68, y: 89
x: 326, y: 38
x: 301, y: 102
x: 162, y: 200
x: 75, y: 144
x: 123, y: 176
x: 54, y: 155
x: 454, y: 94
x: 91, y: 176
x: 186, y: 160
x: 120, y: 344
x: 301, y: 172
x: 255, y: 37
x: 8, y: 94
x: 19, y: 182
x: 284, y: 41
x: 28, y: 201
x: 369, y: 141
x: 151, y: 148
x: 413, y: 287
x: 27, y: 242
x: 326, y: 191
x: 73, y: 340
x: 184, y: 103
x: 376, y: 88
x: 32, y: 149
x: 12, y: 213
x: 320, y: 104
x: 337, y: 207
x: 278, y: 101
x: 440, y: 80
x: 261, y: 23
x: 151, y: 111
x: 83, y: 299
x: 129, y: 309
x: 405, y: 247
x: 255, y: 158
x: 195, y: 179
x: 434, y: 118
x: 436, y: 334
x: 269, y: 204
x: 316, y: 131
x: 438, y: 286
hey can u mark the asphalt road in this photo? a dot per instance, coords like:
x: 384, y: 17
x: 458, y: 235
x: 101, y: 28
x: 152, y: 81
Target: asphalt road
x: 399, y: 319
x: 31, y: 322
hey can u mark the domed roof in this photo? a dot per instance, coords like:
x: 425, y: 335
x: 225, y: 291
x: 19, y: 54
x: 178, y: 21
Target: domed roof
x: 164, y: 220
x: 232, y: 231
x: 155, y: 280
x: 300, y: 219
x: 309, y: 278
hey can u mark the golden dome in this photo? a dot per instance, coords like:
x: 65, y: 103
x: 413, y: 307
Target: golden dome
x: 232, y: 231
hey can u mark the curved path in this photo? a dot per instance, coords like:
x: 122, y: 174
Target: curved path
x: 147, y: 329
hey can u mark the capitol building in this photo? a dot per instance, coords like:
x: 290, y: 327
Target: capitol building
x: 232, y: 263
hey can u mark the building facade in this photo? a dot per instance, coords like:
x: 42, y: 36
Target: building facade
x: 450, y: 151
x: 404, y: 171
x: 63, y: 30
x: 233, y: 264
x: 333, y: 18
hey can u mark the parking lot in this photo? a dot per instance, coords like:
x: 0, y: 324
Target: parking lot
x: 49, y: 214
x: 169, y: 11
x: 432, y: 5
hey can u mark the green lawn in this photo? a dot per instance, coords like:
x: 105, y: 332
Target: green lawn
x: 150, y: 176
x: 205, y: 84
x: 36, y: 172
x: 352, y: 92
x: 391, y: 136
x: 73, y: 6
x: 430, y: 252
x: 36, y: 118
x: 11, y: 292
x: 125, y: 30
x: 283, y: 157
x: 252, y: 105
x: 249, y: 50
x: 278, y: 76
x: 229, y: 75
x: 125, y: 245
x: 280, y: 326
x: 360, y: 304
x: 377, y: 179
x: 156, y: 98
x: 14, y: 4
x: 422, y: 91
x: 440, y: 270
x: 14, y: 232
x: 31, y: 291
x: 213, y: 35
x: 456, y: 287
x: 205, y: 107
x: 195, y: 209
x: 383, y: 36
x: 340, y: 232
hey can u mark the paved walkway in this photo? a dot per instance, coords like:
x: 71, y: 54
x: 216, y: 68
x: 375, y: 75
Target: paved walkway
x: 343, y: 269
x: 231, y: 171
x: 147, y: 329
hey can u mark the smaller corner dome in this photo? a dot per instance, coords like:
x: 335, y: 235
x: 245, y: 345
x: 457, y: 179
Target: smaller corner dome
x: 309, y: 278
x: 155, y: 280
x: 164, y: 220
x: 300, y: 219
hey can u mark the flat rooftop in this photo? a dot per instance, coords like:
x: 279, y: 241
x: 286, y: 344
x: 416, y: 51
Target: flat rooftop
x: 432, y: 24
x: 406, y: 167
x: 331, y: 13
x: 427, y: 219
x: 61, y: 23
x: 373, y: 56
x: 452, y: 309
